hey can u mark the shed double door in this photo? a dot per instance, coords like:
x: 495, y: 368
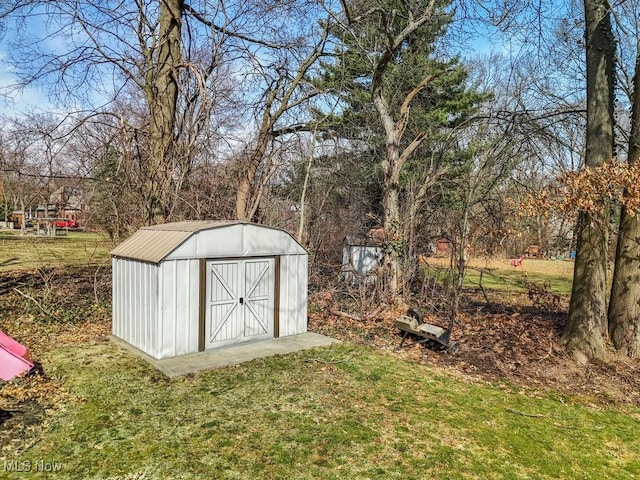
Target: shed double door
x: 240, y: 301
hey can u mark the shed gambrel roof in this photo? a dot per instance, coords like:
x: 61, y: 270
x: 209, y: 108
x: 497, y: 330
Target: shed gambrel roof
x: 154, y: 243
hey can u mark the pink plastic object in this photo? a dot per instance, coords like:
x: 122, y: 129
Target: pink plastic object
x: 15, y: 358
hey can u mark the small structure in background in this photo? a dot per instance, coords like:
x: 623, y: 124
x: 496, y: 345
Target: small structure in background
x: 15, y: 359
x: 361, y: 255
x: 443, y: 246
x: 533, y: 251
x: 65, y: 207
x: 185, y: 287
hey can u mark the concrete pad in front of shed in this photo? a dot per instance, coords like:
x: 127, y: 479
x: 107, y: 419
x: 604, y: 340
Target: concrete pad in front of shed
x: 232, y: 355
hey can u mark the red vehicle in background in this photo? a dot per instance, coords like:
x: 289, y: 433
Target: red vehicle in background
x: 66, y: 224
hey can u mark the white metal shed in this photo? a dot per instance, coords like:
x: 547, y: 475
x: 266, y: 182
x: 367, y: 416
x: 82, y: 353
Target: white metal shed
x: 360, y: 256
x: 186, y: 287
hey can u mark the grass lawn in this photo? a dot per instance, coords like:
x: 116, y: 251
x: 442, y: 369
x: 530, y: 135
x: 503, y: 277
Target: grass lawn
x: 340, y: 412
x: 500, y: 276
x: 27, y: 252
x: 332, y: 413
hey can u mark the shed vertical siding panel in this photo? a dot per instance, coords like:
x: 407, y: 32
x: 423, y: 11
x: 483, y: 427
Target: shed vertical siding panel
x: 133, y: 285
x: 184, y: 316
x: 285, y: 313
x: 165, y: 309
x: 178, y: 308
x: 149, y: 309
x: 142, y: 285
x: 191, y: 323
x: 293, y: 295
x: 125, y: 294
x: 287, y: 310
x: 130, y: 286
x: 176, y: 316
x: 133, y: 289
x: 118, y: 324
x: 138, y: 278
x: 147, y: 306
x: 302, y: 281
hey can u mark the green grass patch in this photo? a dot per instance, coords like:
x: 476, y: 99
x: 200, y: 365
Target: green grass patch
x: 504, y: 280
x: 511, y: 281
x: 18, y: 252
x: 332, y: 413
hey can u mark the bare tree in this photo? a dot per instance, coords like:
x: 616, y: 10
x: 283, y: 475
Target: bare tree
x: 161, y: 88
x: 286, y: 89
x: 110, y: 49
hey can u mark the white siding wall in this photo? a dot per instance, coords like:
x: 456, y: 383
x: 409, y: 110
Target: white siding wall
x: 293, y: 294
x: 360, y: 259
x: 242, y: 240
x: 135, y: 303
x: 178, y: 307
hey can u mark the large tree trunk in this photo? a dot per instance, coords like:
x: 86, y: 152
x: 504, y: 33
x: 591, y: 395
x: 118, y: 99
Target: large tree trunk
x: 392, y: 221
x: 586, y: 330
x: 624, y: 308
x: 162, y: 97
x: 246, y: 202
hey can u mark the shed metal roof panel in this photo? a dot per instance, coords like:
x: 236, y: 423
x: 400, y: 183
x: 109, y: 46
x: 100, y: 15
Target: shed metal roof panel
x: 150, y: 245
x: 189, y: 225
x: 154, y: 243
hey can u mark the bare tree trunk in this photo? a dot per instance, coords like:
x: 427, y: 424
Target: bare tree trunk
x: 586, y: 330
x: 23, y: 227
x: 462, y: 260
x: 161, y: 90
x: 392, y: 231
x: 279, y: 99
x: 303, y: 194
x: 245, y: 203
x: 624, y: 307
x: 392, y: 165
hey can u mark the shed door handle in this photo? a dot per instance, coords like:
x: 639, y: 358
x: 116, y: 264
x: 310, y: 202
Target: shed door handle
x: 241, y: 301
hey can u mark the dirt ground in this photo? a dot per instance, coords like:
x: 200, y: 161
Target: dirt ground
x: 43, y: 309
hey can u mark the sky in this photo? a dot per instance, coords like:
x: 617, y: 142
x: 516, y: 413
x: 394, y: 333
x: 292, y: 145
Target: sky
x: 20, y: 102
x: 35, y: 99
x: 15, y: 101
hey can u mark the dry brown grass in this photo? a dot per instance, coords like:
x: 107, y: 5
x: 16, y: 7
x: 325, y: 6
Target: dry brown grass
x: 529, y: 265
